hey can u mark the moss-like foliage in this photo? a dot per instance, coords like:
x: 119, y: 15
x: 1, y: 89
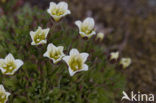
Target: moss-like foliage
x: 41, y: 81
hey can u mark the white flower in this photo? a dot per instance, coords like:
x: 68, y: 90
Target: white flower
x: 76, y: 61
x: 57, y: 11
x: 3, y: 94
x: 10, y: 65
x: 100, y: 36
x: 54, y: 53
x: 125, y: 62
x: 86, y: 28
x: 39, y: 36
x: 114, y: 55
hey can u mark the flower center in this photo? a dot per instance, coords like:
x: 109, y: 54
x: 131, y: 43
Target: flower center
x: 86, y: 30
x: 2, y: 97
x: 55, y: 54
x: 39, y: 37
x: 126, y: 62
x: 58, y: 11
x: 76, y: 62
x: 9, y: 66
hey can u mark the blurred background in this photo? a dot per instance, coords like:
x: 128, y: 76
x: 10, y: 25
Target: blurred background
x: 129, y: 26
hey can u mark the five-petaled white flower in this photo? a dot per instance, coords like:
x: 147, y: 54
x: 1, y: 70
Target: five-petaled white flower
x: 54, y: 53
x: 114, y: 55
x: 76, y: 61
x: 57, y: 11
x: 3, y: 94
x: 10, y: 65
x: 86, y: 28
x: 100, y: 36
x: 125, y: 62
x: 39, y: 36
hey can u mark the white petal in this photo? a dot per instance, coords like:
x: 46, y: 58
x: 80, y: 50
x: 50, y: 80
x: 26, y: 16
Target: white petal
x: 49, y: 11
x: 2, y: 61
x: 8, y: 94
x: 85, y: 67
x: 66, y: 59
x: 71, y: 72
x: 2, y: 70
x: 46, y: 31
x: 6, y: 99
x: 73, y: 52
x: 19, y: 63
x: 62, y: 5
x: 83, y: 34
x: 52, y: 4
x: 42, y: 42
x: 51, y: 46
x: 10, y: 73
x: 57, y: 18
x: 33, y: 43
x: 39, y: 28
x: 78, y: 23
x: 9, y: 57
x: 60, y: 48
x: 68, y: 12
x: 89, y: 22
x: 32, y: 34
x: 55, y: 61
x: 93, y: 33
x: 89, y: 35
x: 13, y: 72
x: 46, y: 54
x: 2, y: 88
x: 52, y: 7
x: 84, y: 56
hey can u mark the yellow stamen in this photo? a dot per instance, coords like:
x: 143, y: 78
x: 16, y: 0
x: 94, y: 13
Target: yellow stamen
x: 76, y: 62
x: 39, y: 36
x: 2, y: 97
x: 9, y: 66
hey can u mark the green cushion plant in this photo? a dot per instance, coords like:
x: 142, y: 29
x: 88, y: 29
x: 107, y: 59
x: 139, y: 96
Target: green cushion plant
x: 41, y: 81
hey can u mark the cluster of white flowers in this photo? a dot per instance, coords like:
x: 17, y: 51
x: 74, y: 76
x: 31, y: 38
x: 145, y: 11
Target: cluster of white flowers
x: 124, y: 62
x: 75, y: 60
